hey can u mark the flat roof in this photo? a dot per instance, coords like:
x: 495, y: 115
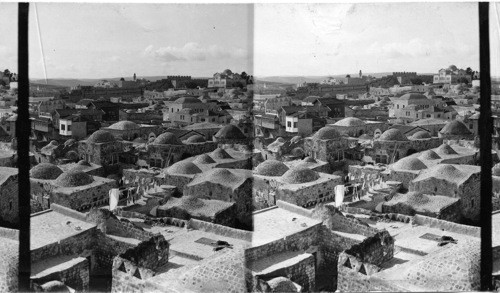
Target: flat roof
x: 51, y: 226
x: 277, y: 223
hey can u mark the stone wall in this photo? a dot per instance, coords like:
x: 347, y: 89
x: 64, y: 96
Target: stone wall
x: 77, y: 276
x: 219, y: 230
x: 447, y: 226
x: 302, y: 273
x: 310, y: 194
x: 9, y: 194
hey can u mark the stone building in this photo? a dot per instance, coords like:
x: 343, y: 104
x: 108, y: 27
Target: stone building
x: 355, y: 127
x: 457, y: 181
x: 301, y: 186
x: 9, y: 204
x: 406, y: 169
x: 327, y: 145
x: 435, y: 206
x: 230, y: 185
x: 189, y: 207
x: 230, y: 135
x: 100, y: 148
x: 392, y: 145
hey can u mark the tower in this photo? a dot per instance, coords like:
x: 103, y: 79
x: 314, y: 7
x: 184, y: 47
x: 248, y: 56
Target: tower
x: 134, y: 77
x: 360, y: 74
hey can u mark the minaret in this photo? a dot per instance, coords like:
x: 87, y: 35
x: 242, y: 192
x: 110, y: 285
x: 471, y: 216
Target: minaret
x: 134, y: 77
x: 360, y: 74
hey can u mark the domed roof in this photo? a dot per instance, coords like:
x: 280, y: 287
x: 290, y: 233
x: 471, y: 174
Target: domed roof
x: 326, y: 133
x: 69, y: 142
x: 350, y: 121
x: 421, y: 135
x: 196, y: 139
x: 462, y: 271
x: 429, y: 155
x: 203, y: 159
x: 101, y: 136
x: 300, y: 175
x: 413, y: 96
x: 221, y: 175
x: 445, y: 149
x: 455, y: 127
x: 45, y: 171
x: 271, y: 168
x: 496, y: 170
x: 310, y: 160
x: 281, y: 284
x: 409, y: 163
x: 297, y: 152
x: 81, y: 165
x: 72, y: 155
x: 184, y: 167
x: 55, y: 286
x: 73, y: 179
x: 187, y: 100
x: 167, y: 138
x: 416, y: 198
x: 392, y: 134
x: 230, y: 132
x: 220, y: 154
x: 124, y: 125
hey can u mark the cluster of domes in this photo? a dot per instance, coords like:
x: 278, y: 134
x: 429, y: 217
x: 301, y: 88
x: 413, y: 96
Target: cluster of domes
x: 101, y: 136
x: 392, y: 134
x: 271, y: 168
x: 124, y: 125
x: 73, y: 179
x: 167, y: 138
x: 327, y: 133
x: 45, y: 171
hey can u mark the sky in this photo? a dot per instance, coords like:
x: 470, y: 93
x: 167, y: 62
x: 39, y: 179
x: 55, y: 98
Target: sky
x: 117, y: 40
x: 323, y: 39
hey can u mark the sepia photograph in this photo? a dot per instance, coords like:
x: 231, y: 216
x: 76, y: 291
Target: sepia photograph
x: 249, y: 147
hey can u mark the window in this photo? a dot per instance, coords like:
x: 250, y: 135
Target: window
x: 69, y: 127
x: 289, y: 124
x: 398, y: 106
x: 294, y: 124
x: 63, y: 127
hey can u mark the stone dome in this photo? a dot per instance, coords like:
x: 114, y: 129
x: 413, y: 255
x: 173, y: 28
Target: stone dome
x: 297, y: 152
x: 445, y: 149
x: 310, y: 160
x: 230, y: 132
x: 220, y: 154
x: 184, y: 167
x: 327, y: 133
x: 55, y: 286
x: 413, y: 96
x: 410, y: 163
x: 167, y: 138
x: 196, y: 139
x: 496, y: 170
x: 124, y: 125
x: 101, y: 136
x: 350, y: 121
x: 72, y: 155
x: 429, y: 155
x: 421, y: 135
x: 271, y: 168
x: 73, y: 179
x: 300, y: 175
x: 455, y: 127
x: 282, y: 284
x: 203, y: 159
x: 219, y: 175
x: 392, y: 134
x: 45, y: 171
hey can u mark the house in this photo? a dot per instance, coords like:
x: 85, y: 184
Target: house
x: 337, y: 107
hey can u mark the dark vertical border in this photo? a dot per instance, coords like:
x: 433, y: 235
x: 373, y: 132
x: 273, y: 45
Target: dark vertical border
x: 22, y: 134
x: 485, y: 132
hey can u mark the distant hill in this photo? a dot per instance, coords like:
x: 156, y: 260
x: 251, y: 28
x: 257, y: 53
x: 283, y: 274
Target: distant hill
x: 311, y: 79
x: 71, y: 82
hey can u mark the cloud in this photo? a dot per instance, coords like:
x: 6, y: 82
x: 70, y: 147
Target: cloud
x: 194, y: 52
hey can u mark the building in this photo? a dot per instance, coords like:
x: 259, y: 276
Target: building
x: 355, y: 127
x: 9, y: 204
x: 451, y: 76
x: 100, y: 148
x: 336, y: 107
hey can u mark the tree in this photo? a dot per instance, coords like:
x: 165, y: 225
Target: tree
x: 416, y: 81
x: 6, y: 72
x: 348, y: 76
x: 122, y: 79
x: 463, y: 80
x: 469, y: 71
